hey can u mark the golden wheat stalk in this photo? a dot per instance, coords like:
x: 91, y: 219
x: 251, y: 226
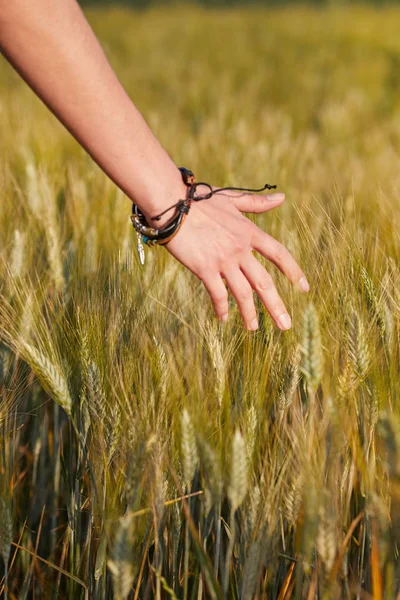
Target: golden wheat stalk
x: 49, y: 375
x: 311, y: 348
x: 237, y: 487
x: 122, y: 560
x: 188, y: 448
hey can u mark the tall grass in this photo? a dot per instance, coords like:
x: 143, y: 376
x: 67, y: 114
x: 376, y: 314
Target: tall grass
x: 147, y: 450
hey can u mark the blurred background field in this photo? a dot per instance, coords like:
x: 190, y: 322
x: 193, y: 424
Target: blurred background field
x: 120, y: 393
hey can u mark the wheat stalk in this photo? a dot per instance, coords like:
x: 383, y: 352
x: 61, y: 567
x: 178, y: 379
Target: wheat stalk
x: 289, y: 381
x: 91, y: 251
x: 251, y: 431
x: 251, y: 571
x: 188, y: 448
x: 122, y: 560
x: 311, y: 348
x: 49, y: 375
x: 211, y: 469
x: 358, y: 346
x: 162, y: 364
x: 373, y: 302
x: 18, y: 254
x: 292, y: 498
x: 6, y: 530
x: 237, y: 487
x: 216, y: 354
x: 113, y: 429
x: 96, y: 394
x: 32, y: 189
x: 326, y: 541
x: 237, y: 490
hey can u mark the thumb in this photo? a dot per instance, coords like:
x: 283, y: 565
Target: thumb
x: 257, y: 204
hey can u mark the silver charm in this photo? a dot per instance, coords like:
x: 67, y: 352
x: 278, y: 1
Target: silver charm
x: 140, y: 248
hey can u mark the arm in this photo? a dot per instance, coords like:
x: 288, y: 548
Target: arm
x: 50, y: 43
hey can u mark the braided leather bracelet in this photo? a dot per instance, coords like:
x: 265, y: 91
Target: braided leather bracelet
x: 151, y: 236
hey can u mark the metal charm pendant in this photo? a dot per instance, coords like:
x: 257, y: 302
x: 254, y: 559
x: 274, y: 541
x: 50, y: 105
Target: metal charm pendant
x: 140, y: 248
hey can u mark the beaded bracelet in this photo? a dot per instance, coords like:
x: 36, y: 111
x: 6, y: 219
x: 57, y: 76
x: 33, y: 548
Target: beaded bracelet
x: 150, y: 235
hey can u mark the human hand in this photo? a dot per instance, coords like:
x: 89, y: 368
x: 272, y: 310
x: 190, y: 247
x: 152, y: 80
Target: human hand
x: 217, y: 241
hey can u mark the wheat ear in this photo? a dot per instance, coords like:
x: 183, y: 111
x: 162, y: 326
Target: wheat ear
x: 121, y: 563
x: 311, y: 348
x: 189, y: 448
x: 49, y: 376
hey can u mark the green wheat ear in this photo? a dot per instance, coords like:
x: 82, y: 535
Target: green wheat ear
x: 188, y: 448
x: 101, y: 555
x: 17, y: 261
x: 251, y: 570
x: 311, y: 348
x: 374, y: 303
x: 49, y: 376
x: 290, y: 381
x: 97, y: 399
x: 292, y: 497
x: 237, y: 487
x: 358, y: 346
x: 326, y: 540
x: 113, y: 429
x: 122, y: 563
x: 211, y: 470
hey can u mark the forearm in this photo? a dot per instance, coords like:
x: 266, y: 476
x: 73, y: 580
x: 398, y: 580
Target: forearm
x: 54, y: 49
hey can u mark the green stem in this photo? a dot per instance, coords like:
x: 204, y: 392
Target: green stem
x: 186, y: 559
x: 217, y: 538
x: 229, y: 553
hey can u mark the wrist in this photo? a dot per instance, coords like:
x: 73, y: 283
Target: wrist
x: 160, y: 195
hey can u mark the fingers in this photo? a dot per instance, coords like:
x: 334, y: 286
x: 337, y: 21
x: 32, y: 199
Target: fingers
x: 281, y: 257
x: 264, y: 243
x: 254, y: 203
x: 261, y: 282
x: 219, y: 296
x: 242, y: 281
x: 243, y: 294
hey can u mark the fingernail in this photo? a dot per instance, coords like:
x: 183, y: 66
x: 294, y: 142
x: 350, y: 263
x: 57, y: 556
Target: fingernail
x: 285, y: 321
x: 304, y: 285
x: 276, y: 197
x: 224, y: 317
x: 254, y: 324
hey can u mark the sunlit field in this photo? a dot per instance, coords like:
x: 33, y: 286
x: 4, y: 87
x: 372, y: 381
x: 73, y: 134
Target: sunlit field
x: 149, y: 451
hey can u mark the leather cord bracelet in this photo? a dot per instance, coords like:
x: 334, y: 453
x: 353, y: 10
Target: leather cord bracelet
x: 150, y: 235
x: 146, y: 234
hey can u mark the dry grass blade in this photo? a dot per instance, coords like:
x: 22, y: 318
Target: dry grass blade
x: 52, y: 565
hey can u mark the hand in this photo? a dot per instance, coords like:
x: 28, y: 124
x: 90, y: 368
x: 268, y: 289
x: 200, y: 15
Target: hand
x: 216, y: 241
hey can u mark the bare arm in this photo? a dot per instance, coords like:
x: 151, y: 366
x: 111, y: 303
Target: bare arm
x: 54, y: 49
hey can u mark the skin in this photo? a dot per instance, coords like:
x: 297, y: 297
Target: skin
x: 51, y: 45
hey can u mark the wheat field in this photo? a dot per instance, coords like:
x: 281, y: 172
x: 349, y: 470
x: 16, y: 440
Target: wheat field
x: 149, y: 451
